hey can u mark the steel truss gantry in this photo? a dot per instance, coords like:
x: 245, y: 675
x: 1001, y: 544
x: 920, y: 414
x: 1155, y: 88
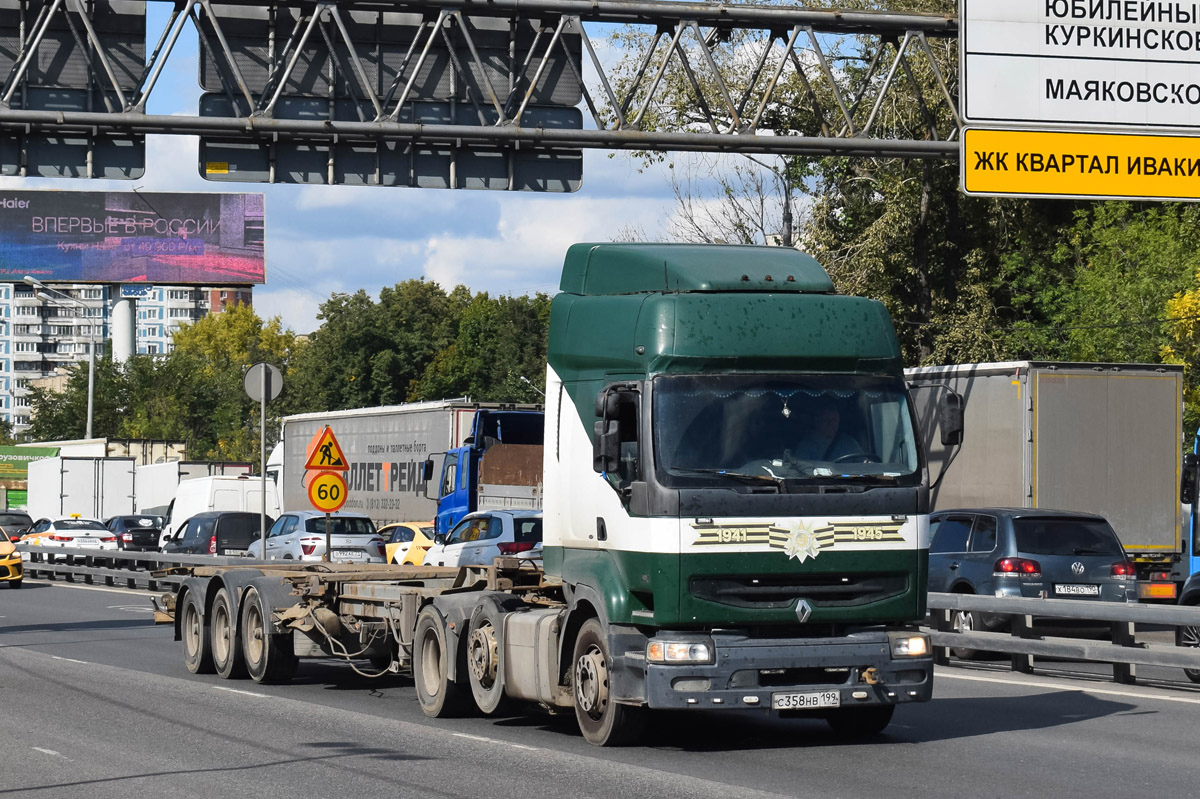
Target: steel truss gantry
x: 685, y: 38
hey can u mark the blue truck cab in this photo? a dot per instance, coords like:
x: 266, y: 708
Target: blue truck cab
x: 498, y: 467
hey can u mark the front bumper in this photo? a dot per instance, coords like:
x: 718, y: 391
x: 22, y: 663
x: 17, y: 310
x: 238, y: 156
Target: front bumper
x: 11, y: 567
x: 747, y: 672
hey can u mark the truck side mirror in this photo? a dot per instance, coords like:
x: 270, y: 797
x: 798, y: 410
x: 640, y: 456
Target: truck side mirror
x: 427, y: 470
x: 950, y: 419
x: 606, y: 445
x: 1188, y: 480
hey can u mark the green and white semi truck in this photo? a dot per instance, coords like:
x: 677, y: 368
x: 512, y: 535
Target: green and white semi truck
x: 735, y: 516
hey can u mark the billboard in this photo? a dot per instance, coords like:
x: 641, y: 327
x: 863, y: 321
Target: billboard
x: 132, y: 237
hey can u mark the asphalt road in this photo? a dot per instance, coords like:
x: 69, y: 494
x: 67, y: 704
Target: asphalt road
x: 95, y: 702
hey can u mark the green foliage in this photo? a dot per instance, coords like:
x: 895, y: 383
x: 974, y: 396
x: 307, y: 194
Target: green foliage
x: 499, y: 342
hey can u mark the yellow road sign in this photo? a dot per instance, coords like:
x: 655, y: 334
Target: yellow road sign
x: 327, y: 454
x: 1034, y: 163
x: 327, y: 491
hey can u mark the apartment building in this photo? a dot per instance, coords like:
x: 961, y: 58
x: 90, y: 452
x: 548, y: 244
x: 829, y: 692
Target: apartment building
x: 38, y: 337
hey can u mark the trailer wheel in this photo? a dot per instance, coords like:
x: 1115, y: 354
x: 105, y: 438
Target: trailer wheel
x: 485, y: 659
x: 226, y: 645
x: 197, y: 655
x: 602, y: 721
x: 861, y: 722
x: 440, y: 697
x: 270, y: 657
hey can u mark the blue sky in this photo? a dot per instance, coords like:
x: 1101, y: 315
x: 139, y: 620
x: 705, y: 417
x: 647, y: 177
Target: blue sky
x: 325, y: 239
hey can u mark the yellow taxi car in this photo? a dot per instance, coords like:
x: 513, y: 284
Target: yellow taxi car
x: 407, y: 542
x: 12, y: 571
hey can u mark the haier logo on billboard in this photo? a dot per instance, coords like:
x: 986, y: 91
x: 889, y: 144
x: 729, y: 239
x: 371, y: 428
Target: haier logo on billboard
x: 132, y: 237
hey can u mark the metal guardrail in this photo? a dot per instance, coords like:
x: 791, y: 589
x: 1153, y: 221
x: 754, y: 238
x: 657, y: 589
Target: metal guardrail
x: 1024, y: 642
x: 117, y: 568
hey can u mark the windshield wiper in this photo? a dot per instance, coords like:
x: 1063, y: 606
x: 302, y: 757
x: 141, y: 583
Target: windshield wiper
x: 1088, y: 551
x: 741, y: 476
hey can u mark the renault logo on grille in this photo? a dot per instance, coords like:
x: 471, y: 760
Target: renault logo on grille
x: 1077, y: 568
x: 803, y: 610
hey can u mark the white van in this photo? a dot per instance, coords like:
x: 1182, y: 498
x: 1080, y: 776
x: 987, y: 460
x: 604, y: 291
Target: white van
x: 218, y: 493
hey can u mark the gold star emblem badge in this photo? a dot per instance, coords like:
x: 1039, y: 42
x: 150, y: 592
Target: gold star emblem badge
x: 801, y: 544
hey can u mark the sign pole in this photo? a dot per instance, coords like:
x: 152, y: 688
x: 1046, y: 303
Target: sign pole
x: 328, y: 540
x: 262, y: 453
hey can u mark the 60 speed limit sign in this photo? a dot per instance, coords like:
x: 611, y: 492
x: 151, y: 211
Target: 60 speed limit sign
x: 327, y: 491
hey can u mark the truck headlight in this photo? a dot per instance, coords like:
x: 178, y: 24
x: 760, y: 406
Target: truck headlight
x: 906, y: 645
x: 679, y: 652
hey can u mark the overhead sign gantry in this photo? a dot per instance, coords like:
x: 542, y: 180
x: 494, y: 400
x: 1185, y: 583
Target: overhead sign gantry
x: 1081, y: 98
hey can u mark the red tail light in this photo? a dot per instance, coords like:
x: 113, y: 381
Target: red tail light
x: 1017, y: 567
x: 514, y: 548
x: 1123, y: 569
x: 61, y: 538
x: 212, y: 545
x: 108, y: 538
x: 308, y: 546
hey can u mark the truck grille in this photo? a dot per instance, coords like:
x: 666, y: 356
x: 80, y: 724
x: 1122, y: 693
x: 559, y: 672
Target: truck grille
x: 782, y: 590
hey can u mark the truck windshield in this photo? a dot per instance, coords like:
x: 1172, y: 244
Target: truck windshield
x: 813, y: 428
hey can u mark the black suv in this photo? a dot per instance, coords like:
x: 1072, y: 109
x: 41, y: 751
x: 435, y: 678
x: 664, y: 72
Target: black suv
x: 216, y: 533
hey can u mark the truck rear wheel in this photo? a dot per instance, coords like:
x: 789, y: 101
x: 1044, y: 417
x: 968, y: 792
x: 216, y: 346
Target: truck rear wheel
x: 270, y: 657
x: 226, y: 645
x: 440, y: 696
x: 485, y: 666
x: 602, y: 721
x: 197, y: 655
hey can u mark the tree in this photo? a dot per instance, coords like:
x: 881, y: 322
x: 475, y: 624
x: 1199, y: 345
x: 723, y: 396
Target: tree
x: 499, y: 354
x: 367, y: 353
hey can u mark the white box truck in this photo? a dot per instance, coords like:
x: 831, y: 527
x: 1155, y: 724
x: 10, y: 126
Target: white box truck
x: 1095, y: 437
x: 155, y: 483
x: 218, y: 492
x: 95, y: 488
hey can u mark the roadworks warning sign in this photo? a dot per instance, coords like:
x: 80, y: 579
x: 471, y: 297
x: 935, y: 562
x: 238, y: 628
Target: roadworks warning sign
x: 327, y: 454
x: 1034, y: 163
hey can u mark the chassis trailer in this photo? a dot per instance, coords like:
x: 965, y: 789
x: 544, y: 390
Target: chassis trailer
x: 479, y: 638
x: 735, y: 515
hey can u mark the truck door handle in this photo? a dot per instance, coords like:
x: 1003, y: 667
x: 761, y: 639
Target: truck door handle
x: 601, y: 530
x: 954, y: 565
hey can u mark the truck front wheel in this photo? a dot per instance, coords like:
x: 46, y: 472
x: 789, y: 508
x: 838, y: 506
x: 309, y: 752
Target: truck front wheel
x: 440, y: 696
x: 602, y: 721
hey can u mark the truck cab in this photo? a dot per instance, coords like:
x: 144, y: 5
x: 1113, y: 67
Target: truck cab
x: 731, y: 459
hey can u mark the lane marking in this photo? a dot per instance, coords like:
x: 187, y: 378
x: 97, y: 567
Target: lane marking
x: 51, y: 752
x: 243, y: 693
x: 70, y: 660
x: 1072, y: 688
x: 495, y: 741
